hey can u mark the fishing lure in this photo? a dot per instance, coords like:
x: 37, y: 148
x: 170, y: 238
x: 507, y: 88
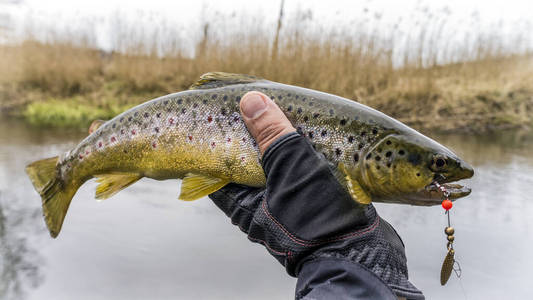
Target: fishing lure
x: 450, y: 263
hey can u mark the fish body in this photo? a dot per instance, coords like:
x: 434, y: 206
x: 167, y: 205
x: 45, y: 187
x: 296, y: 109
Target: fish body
x: 199, y: 136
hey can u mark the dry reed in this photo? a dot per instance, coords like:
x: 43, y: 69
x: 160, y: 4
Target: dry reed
x: 481, y: 86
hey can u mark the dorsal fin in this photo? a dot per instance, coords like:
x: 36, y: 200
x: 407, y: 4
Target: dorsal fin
x: 95, y: 125
x: 217, y: 79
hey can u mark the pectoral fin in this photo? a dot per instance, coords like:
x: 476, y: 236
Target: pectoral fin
x: 110, y: 184
x: 196, y: 186
x: 353, y: 186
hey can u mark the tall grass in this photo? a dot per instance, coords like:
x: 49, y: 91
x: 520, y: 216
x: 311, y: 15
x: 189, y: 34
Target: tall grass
x: 484, y: 83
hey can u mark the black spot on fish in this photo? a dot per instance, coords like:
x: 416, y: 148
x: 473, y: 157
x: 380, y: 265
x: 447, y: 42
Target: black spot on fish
x: 363, y: 133
x: 350, y: 139
x: 378, y: 158
x: 125, y: 151
x: 418, y: 174
x: 401, y: 152
x: 223, y: 111
x: 299, y: 110
x: 135, y: 114
x: 369, y: 156
x: 169, y: 109
x: 114, y: 125
x: 388, y: 165
x: 121, y: 119
x: 316, y: 115
x: 156, y: 129
x: 180, y: 101
x: 303, y: 99
x: 306, y: 118
x: 374, y: 131
x: 289, y: 108
x: 310, y: 103
x: 165, y: 102
x: 343, y: 122
x: 214, y: 96
x: 195, y: 105
x: 389, y: 142
x: 236, y: 119
x: 415, y: 159
x: 158, y: 115
x: 299, y: 130
x: 388, y: 154
x: 130, y: 118
x: 311, y: 134
x: 331, y: 112
x: 379, y: 150
x: 279, y: 97
x: 238, y: 99
x: 146, y: 115
x: 356, y: 157
x: 360, y: 146
x: 324, y: 133
x: 204, y: 101
x: 338, y: 151
x: 183, y: 110
x: 288, y: 94
x: 296, y: 96
x: 225, y: 98
x: 378, y: 167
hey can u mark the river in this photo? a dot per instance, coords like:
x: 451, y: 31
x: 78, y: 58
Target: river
x: 144, y: 243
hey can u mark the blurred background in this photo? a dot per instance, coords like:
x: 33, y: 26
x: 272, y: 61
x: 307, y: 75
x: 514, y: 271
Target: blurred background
x: 458, y: 71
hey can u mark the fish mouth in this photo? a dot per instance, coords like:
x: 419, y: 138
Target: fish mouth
x: 454, y: 190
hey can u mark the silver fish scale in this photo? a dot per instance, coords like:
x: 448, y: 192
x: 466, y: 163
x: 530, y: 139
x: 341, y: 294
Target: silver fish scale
x: 210, y: 118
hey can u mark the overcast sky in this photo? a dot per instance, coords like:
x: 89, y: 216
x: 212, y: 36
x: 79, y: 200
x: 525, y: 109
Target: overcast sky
x: 186, y: 17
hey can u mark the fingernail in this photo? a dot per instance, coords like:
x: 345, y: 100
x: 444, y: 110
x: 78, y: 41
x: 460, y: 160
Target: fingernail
x: 253, y: 105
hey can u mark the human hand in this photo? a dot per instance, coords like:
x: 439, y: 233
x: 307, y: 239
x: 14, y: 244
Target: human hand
x: 304, y: 217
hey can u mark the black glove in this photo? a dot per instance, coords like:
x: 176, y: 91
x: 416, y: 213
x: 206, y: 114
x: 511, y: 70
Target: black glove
x: 310, y: 224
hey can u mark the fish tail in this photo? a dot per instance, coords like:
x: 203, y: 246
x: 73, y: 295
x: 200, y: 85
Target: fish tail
x: 55, y: 194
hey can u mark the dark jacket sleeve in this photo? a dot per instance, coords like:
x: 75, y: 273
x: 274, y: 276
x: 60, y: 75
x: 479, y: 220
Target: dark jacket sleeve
x: 337, y: 278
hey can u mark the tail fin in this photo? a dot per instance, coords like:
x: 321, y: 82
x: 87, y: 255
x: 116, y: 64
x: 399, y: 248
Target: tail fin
x: 55, y: 195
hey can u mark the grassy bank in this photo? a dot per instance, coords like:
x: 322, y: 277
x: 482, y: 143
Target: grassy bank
x: 69, y: 82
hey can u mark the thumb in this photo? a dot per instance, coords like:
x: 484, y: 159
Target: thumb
x: 264, y: 119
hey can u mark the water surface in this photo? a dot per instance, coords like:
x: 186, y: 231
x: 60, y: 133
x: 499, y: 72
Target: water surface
x: 143, y: 243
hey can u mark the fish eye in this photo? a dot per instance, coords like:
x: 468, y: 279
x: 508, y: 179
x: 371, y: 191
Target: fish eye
x: 440, y: 162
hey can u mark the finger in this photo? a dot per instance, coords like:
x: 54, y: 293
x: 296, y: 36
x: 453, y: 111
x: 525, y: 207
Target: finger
x: 264, y: 119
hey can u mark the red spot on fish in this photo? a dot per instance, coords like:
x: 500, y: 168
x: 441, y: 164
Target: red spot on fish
x: 209, y: 119
x: 133, y: 132
x: 190, y: 137
x: 154, y: 145
x: 242, y: 158
x: 99, y: 144
x: 229, y: 140
x: 80, y: 156
x: 86, y: 152
x: 171, y: 121
x: 114, y: 139
x: 213, y: 144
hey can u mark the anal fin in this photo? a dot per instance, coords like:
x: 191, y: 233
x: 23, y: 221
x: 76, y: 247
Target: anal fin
x: 353, y: 186
x: 110, y: 184
x: 195, y: 186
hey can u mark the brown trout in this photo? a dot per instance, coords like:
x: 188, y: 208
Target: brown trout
x: 198, y: 135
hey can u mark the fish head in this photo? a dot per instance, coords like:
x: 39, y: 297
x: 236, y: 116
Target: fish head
x: 409, y: 169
